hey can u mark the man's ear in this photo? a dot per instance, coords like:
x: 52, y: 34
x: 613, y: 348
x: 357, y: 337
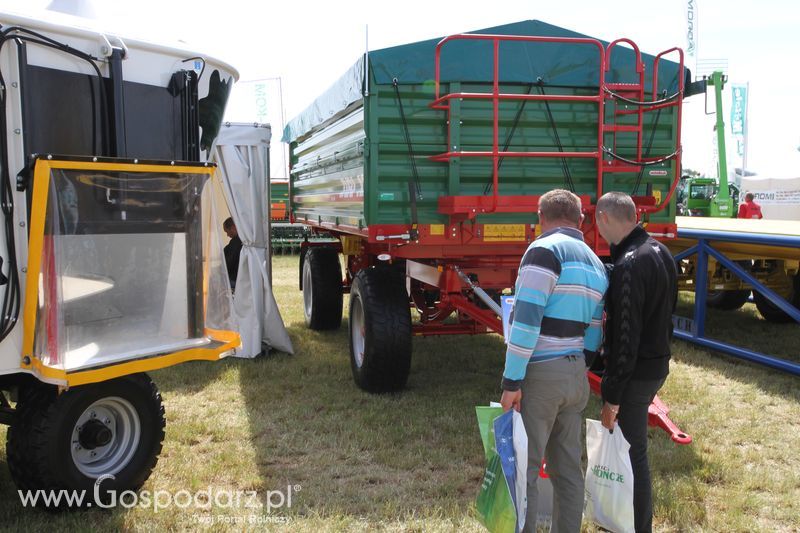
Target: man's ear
x: 580, y: 221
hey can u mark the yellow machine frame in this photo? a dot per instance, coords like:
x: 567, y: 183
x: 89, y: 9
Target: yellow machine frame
x: 29, y: 362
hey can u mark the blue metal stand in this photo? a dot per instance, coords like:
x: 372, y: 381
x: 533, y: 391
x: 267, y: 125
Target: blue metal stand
x: 696, y: 330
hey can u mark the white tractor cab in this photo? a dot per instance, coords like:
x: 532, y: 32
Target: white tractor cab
x: 112, y: 264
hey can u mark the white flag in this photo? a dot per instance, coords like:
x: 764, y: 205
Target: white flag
x: 691, y: 28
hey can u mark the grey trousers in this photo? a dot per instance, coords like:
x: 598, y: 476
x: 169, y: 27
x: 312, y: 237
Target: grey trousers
x: 554, y: 395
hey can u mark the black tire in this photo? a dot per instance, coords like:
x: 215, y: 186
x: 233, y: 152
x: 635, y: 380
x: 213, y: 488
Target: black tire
x: 380, y: 331
x: 727, y: 300
x: 44, y: 441
x: 322, y: 288
x: 771, y: 312
x: 730, y: 300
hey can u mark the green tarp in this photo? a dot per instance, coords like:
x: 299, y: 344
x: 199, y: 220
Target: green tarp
x: 567, y: 65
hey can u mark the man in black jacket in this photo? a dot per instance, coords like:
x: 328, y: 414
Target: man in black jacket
x: 232, y: 250
x: 639, y: 306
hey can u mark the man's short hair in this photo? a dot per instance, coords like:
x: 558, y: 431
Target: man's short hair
x: 749, y: 197
x: 228, y: 223
x: 618, y: 206
x: 561, y: 205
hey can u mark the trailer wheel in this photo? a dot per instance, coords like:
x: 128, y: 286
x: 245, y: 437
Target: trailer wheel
x: 380, y: 331
x: 111, y: 431
x: 727, y: 300
x: 770, y: 311
x: 322, y: 288
x: 730, y: 300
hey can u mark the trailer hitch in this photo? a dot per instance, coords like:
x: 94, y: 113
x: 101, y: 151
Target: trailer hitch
x: 657, y: 413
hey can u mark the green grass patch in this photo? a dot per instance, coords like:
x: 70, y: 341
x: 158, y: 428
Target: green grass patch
x: 413, y: 461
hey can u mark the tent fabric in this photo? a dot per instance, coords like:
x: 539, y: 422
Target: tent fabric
x: 779, y: 198
x: 242, y: 156
x: 566, y: 65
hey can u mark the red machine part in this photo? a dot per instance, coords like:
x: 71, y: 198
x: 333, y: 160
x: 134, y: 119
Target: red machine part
x: 472, y: 318
x: 461, y: 207
x: 657, y: 414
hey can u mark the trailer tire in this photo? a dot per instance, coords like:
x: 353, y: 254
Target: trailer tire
x: 727, y: 300
x: 111, y: 431
x: 380, y: 330
x: 322, y: 288
x: 730, y: 300
x: 773, y: 313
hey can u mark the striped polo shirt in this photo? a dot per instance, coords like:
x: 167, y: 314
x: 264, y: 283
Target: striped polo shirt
x: 558, y: 304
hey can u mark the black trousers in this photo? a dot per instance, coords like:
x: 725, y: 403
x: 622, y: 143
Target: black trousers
x: 632, y: 418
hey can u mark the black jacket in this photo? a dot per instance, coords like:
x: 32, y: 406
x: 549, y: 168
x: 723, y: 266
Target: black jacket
x: 639, y: 306
x: 232, y: 251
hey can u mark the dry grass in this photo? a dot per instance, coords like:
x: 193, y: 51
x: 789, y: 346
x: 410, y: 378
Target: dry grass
x: 413, y: 461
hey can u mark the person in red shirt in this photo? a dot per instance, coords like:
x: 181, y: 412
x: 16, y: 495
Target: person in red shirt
x: 750, y: 209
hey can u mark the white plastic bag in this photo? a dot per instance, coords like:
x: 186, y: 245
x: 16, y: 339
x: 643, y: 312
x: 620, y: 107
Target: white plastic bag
x: 609, y: 479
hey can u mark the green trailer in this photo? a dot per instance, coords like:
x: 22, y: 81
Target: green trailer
x: 426, y: 161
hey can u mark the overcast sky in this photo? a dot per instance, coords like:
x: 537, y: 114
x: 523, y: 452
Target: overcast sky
x: 310, y: 43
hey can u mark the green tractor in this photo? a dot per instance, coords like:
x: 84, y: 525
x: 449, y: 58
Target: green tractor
x: 698, y: 197
x: 710, y: 197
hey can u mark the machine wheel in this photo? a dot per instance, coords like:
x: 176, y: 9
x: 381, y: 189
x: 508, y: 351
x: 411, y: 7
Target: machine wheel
x: 730, y: 300
x: 380, y: 331
x: 322, y: 289
x: 112, y: 429
x: 727, y: 300
x: 773, y: 313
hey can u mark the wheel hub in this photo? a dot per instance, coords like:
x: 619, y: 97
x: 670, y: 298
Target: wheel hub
x: 94, y: 434
x: 105, y: 437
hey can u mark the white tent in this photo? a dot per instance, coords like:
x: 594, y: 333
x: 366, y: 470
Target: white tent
x: 779, y: 198
x: 242, y: 156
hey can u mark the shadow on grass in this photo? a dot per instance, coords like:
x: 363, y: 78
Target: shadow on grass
x: 350, y: 453
x: 681, y: 478
x: 745, y: 328
x: 193, y: 376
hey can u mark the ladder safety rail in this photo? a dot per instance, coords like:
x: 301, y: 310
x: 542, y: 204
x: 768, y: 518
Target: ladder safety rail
x: 635, y: 88
x: 680, y: 71
x: 607, y: 158
x: 676, y: 103
x: 442, y: 102
x: 639, y: 64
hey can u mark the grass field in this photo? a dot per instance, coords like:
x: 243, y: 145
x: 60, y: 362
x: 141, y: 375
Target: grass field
x: 413, y: 461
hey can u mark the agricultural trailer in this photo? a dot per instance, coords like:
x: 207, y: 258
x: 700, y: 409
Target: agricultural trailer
x: 111, y: 259
x: 426, y: 162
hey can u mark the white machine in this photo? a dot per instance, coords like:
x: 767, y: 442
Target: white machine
x: 111, y: 261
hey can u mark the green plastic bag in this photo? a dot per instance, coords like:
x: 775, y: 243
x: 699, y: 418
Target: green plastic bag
x: 495, y: 505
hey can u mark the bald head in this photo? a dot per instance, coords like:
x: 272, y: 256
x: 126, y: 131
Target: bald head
x: 615, y: 216
x: 618, y: 206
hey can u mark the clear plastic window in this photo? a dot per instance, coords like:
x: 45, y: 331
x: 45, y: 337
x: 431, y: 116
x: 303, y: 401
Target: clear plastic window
x: 131, y: 268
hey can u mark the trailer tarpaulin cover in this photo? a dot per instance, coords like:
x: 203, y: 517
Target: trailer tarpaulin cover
x: 568, y: 65
x: 242, y: 155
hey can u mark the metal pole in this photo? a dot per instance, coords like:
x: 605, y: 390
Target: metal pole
x: 366, y: 61
x: 700, y: 290
x: 744, y: 128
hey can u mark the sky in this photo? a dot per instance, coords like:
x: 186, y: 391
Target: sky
x: 310, y: 43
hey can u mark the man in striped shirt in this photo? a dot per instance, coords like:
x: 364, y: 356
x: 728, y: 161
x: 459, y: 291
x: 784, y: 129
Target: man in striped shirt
x: 555, y: 330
